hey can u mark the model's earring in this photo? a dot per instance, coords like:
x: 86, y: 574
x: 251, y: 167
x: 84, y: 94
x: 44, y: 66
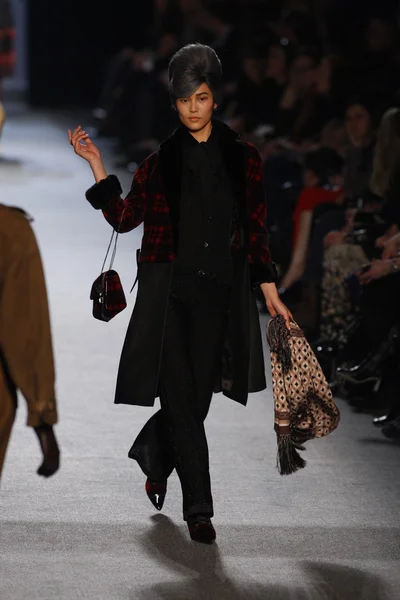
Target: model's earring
x: 215, y: 106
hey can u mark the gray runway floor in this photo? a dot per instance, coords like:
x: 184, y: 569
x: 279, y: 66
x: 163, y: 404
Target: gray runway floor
x: 328, y: 532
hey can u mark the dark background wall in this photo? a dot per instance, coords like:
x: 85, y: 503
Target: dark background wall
x: 70, y: 42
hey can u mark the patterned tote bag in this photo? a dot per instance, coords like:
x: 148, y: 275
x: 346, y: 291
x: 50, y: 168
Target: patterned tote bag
x: 303, y: 404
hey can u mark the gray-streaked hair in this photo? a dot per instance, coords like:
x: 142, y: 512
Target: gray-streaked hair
x: 190, y: 67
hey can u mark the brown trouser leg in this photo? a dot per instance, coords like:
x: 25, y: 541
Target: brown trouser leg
x: 8, y: 407
x: 7, y: 417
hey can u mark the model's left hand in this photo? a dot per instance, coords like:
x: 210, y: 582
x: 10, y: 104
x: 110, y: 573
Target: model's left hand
x: 274, y: 304
x: 378, y: 269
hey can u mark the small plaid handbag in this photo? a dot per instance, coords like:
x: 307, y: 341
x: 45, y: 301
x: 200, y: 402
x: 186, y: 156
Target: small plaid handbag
x: 303, y: 404
x: 107, y: 292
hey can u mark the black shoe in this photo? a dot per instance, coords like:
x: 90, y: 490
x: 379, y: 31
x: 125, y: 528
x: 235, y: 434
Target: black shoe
x: 201, y: 529
x: 156, y: 491
x: 392, y: 430
x: 384, y: 419
x: 369, y: 368
x: 359, y: 372
x: 325, y: 352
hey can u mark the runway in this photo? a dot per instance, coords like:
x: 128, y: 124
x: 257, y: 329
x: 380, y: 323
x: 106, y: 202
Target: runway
x: 329, y: 532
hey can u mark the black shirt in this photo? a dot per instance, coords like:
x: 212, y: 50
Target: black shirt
x: 205, y: 227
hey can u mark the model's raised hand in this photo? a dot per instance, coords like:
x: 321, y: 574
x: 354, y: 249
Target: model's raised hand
x: 83, y: 145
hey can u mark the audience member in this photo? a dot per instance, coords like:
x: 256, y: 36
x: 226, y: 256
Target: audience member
x: 323, y: 184
x: 360, y: 147
x: 385, y: 180
x: 303, y: 110
x: 260, y: 88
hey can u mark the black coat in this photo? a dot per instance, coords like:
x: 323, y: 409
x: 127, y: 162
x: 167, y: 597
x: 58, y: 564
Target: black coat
x: 242, y: 362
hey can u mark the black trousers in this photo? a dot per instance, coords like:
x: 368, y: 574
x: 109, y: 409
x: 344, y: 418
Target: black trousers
x: 380, y: 308
x: 175, y: 437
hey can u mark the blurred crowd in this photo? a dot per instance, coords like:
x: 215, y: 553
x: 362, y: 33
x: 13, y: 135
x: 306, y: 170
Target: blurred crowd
x: 315, y: 86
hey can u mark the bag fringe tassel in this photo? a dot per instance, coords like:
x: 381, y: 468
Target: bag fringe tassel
x: 288, y: 459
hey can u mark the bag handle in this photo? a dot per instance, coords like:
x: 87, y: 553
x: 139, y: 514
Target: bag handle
x: 115, y: 244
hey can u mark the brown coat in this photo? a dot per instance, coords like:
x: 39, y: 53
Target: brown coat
x: 26, y: 353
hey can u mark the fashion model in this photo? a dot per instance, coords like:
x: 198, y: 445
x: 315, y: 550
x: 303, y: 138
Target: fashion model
x: 26, y: 346
x: 195, y: 327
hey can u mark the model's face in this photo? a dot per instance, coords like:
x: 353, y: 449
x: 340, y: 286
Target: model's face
x: 196, y: 111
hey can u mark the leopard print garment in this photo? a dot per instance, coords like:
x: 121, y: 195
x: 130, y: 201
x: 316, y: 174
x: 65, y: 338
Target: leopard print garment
x: 339, y: 315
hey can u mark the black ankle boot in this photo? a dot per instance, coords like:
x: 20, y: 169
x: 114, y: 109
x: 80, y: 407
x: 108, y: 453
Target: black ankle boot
x: 156, y: 491
x: 385, y: 419
x: 201, y: 529
x: 369, y: 368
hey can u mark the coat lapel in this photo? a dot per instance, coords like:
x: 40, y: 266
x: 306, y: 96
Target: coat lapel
x: 170, y: 158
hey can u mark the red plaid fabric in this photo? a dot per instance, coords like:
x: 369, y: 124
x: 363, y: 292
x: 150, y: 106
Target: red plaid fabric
x: 146, y: 203
x: 256, y: 208
x: 7, y: 52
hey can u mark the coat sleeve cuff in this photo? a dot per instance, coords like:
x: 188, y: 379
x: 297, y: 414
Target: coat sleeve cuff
x: 263, y: 273
x: 45, y: 416
x: 100, y: 194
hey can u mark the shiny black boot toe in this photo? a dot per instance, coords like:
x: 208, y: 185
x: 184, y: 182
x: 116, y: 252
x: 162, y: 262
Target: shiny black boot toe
x: 156, y: 491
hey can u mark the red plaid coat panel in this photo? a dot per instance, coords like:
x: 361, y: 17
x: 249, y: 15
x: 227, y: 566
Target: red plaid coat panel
x: 146, y: 203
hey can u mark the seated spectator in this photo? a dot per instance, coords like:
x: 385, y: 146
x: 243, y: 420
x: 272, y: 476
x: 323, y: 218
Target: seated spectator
x: 334, y: 136
x: 303, y: 109
x: 385, y: 180
x: 130, y: 114
x: 360, y: 147
x: 323, y: 181
x: 296, y: 24
x: 343, y: 249
x: 373, y: 353
x: 246, y: 105
x: 379, y: 62
x: 259, y: 90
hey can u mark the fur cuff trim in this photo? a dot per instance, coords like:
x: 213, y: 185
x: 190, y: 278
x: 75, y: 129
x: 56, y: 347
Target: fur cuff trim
x: 100, y: 194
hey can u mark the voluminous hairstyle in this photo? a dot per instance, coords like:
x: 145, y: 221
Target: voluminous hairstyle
x: 387, y: 152
x: 190, y: 67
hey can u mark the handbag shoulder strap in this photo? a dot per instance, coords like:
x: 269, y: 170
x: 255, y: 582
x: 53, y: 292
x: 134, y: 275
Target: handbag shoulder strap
x: 114, y: 251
